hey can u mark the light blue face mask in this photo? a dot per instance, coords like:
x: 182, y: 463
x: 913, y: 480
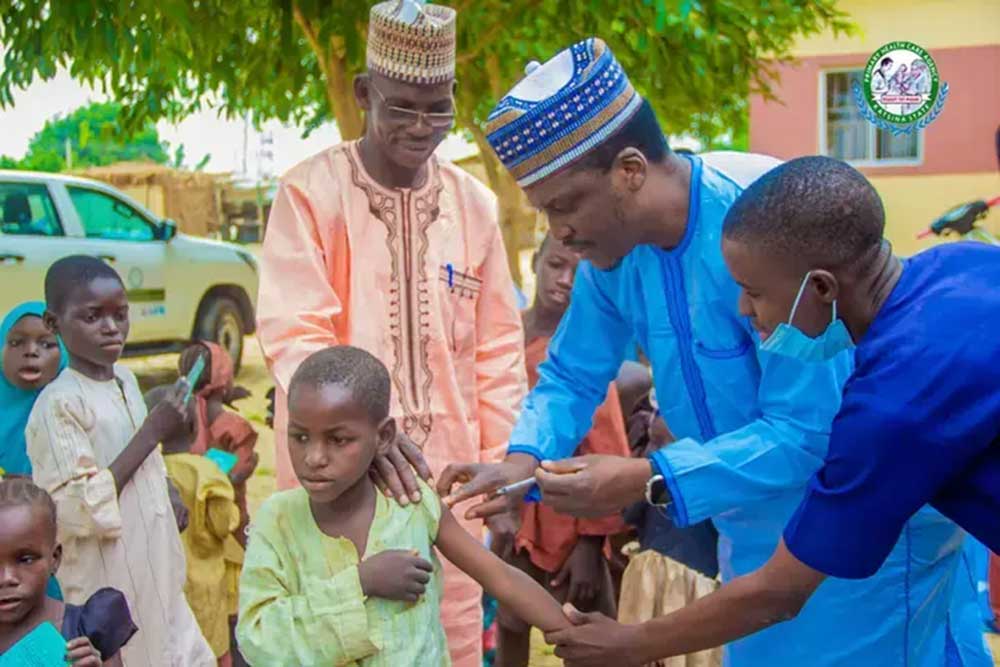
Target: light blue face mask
x: 791, y: 342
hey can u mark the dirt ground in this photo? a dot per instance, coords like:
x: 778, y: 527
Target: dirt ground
x: 153, y: 371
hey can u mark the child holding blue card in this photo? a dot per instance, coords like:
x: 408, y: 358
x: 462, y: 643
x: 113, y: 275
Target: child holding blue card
x: 88, y: 635
x: 94, y: 448
x: 220, y: 428
x: 205, y: 484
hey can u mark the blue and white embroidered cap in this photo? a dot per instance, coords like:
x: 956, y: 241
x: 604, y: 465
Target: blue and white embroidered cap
x: 561, y: 110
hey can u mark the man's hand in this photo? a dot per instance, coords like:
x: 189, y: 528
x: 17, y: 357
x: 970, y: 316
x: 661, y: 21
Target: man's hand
x: 483, y: 479
x: 181, y: 515
x: 595, y: 641
x: 395, y: 575
x: 594, y: 485
x: 393, y: 473
x: 581, y: 571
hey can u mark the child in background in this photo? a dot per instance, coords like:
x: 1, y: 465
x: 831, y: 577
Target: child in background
x: 93, y: 447
x: 566, y: 556
x: 218, y: 427
x: 208, y: 494
x: 668, y: 567
x: 337, y: 573
x: 32, y: 358
x: 29, y: 557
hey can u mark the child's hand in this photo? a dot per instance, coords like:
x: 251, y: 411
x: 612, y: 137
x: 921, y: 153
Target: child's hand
x: 169, y: 416
x: 503, y: 530
x: 237, y: 393
x: 582, y: 571
x: 395, y: 575
x: 81, y: 653
x: 270, y: 408
x: 244, y: 469
x: 181, y: 515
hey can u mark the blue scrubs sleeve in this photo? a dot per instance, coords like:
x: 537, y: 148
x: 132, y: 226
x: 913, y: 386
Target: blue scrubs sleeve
x: 584, y: 357
x: 778, y: 451
x: 901, y: 440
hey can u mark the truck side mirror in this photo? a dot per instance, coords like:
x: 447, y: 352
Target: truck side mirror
x: 166, y: 230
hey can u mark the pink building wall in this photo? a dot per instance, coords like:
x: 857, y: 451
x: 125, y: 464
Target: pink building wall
x: 961, y: 140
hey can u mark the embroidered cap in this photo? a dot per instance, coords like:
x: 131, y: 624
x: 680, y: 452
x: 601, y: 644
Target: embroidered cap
x: 412, y: 41
x: 561, y: 110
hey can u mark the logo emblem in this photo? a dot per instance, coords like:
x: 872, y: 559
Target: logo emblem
x: 901, y: 91
x: 135, y: 278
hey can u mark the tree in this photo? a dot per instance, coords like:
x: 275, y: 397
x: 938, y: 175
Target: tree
x: 294, y: 60
x: 95, y: 137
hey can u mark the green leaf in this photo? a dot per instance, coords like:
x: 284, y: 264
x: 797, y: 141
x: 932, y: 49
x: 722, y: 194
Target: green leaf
x: 661, y: 15
x: 84, y: 134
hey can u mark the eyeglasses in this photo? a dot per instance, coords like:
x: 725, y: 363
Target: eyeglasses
x: 402, y: 116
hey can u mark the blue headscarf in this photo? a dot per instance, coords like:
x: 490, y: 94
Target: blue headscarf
x: 17, y: 403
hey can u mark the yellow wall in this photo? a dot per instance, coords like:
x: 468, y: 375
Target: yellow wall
x: 913, y: 202
x: 933, y: 24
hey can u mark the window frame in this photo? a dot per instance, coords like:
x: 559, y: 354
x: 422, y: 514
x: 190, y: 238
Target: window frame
x: 824, y: 149
x: 153, y: 226
x: 57, y: 216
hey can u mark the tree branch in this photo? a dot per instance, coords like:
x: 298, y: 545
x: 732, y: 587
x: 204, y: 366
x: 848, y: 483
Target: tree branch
x: 321, y: 56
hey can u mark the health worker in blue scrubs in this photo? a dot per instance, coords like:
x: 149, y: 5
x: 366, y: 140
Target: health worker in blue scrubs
x: 919, y: 424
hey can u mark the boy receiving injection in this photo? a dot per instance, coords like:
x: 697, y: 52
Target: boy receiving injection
x: 335, y: 572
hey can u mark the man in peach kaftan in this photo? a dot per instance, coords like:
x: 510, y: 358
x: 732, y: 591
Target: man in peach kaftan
x: 414, y: 271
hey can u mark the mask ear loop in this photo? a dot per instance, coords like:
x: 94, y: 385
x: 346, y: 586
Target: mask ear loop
x: 798, y: 297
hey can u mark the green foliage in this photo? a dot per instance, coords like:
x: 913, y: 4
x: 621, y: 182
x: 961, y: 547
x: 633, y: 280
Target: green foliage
x: 96, y: 137
x: 178, y: 159
x: 696, y: 60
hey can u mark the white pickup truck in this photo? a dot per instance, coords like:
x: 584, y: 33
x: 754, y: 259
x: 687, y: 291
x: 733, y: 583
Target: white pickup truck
x: 180, y: 288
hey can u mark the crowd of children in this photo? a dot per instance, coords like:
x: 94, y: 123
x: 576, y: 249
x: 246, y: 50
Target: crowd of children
x: 145, y: 545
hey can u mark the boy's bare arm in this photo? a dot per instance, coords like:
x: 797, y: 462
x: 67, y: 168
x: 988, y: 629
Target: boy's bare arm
x: 510, y: 586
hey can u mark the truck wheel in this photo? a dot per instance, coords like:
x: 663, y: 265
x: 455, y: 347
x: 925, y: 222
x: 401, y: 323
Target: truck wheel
x: 222, y: 323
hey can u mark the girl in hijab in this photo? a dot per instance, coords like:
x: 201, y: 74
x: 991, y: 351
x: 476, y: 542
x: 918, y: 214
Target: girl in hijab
x: 32, y: 358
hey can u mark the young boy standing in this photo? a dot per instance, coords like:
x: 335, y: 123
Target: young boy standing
x: 336, y: 573
x: 93, y: 447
